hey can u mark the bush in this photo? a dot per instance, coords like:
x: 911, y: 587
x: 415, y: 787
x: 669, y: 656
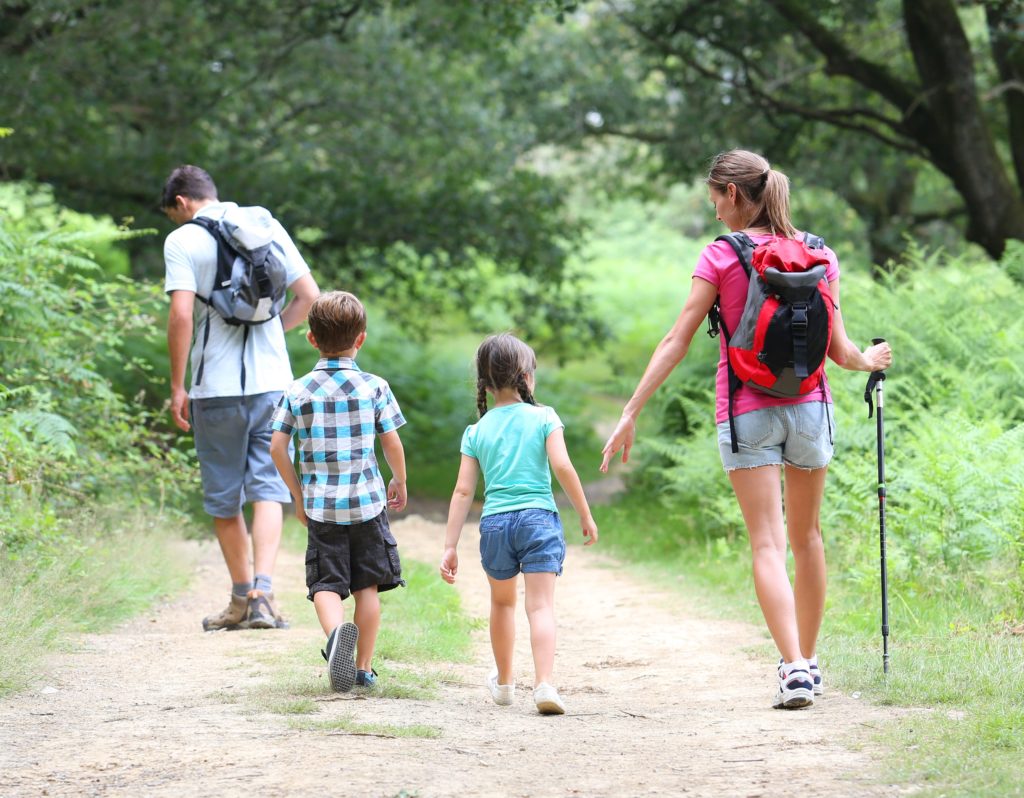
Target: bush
x: 68, y: 439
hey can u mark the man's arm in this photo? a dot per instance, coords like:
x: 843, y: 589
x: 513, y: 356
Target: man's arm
x: 179, y: 338
x: 304, y: 291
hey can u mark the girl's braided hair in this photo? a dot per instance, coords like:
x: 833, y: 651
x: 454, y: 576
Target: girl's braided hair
x: 503, y: 361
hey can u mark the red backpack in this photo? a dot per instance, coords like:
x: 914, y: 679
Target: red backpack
x: 780, y: 342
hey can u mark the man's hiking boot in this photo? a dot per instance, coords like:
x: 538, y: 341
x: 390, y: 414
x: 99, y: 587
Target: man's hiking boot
x: 234, y: 616
x: 341, y: 657
x: 263, y: 612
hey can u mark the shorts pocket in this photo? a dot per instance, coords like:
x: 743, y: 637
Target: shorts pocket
x: 312, y: 567
x: 754, y: 428
x: 812, y: 421
x: 391, y: 550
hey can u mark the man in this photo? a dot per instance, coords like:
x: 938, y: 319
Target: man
x: 238, y: 375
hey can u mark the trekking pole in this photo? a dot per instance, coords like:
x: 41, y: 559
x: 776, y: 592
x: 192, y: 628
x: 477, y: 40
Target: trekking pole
x: 875, y: 381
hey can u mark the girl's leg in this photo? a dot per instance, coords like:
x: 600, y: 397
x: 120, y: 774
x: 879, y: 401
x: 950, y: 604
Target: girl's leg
x: 804, y: 492
x: 503, y: 626
x: 329, y: 610
x: 540, y: 609
x: 759, y: 493
x: 367, y: 618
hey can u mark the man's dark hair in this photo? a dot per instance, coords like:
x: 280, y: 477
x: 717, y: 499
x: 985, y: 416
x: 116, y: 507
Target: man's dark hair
x: 188, y: 181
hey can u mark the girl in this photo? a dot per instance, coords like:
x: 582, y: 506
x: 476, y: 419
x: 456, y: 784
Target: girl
x: 519, y: 528
x: 776, y: 436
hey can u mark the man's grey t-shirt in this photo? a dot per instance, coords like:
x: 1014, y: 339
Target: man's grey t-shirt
x: 190, y: 257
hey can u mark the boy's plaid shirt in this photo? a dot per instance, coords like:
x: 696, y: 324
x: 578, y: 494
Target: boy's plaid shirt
x: 336, y: 410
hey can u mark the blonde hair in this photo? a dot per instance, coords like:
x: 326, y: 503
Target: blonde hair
x: 336, y: 319
x: 503, y: 361
x: 763, y: 191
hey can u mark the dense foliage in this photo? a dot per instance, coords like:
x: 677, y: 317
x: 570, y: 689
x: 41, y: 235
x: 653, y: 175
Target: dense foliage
x: 69, y: 441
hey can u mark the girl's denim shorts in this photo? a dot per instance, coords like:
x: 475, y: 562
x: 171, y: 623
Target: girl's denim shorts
x: 529, y: 540
x: 797, y: 435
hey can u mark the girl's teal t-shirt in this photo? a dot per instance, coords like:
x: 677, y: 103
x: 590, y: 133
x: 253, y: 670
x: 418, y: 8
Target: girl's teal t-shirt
x: 509, y: 443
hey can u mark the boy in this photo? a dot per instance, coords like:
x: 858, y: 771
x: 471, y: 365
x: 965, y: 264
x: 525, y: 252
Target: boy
x: 336, y: 409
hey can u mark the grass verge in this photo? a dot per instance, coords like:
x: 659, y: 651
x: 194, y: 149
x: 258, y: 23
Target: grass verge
x: 953, y: 655
x: 96, y: 583
x: 422, y: 626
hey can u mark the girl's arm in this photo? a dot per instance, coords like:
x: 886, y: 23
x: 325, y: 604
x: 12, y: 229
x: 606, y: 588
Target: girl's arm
x: 394, y: 453
x: 462, y: 500
x: 279, y: 454
x: 845, y: 352
x: 567, y: 477
x: 667, y: 355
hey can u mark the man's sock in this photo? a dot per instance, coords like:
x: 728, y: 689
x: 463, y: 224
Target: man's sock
x: 263, y: 583
x: 241, y: 589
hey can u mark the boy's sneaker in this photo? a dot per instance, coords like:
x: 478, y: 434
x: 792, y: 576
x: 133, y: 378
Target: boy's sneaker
x: 366, y: 679
x: 547, y: 700
x: 503, y: 694
x: 796, y: 687
x: 263, y: 612
x: 234, y: 616
x: 819, y: 684
x: 340, y: 655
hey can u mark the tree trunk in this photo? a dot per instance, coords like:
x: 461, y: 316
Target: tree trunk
x: 948, y: 121
x: 1007, y: 40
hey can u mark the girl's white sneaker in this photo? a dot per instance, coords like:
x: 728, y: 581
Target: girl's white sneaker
x: 503, y: 694
x: 547, y: 700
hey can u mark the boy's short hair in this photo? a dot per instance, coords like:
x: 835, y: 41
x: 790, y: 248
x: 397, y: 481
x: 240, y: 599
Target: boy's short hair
x: 188, y: 181
x: 336, y: 319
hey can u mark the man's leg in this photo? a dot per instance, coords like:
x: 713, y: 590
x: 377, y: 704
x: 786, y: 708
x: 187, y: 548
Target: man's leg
x: 267, y: 520
x: 234, y: 545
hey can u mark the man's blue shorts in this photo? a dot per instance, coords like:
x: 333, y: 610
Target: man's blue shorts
x: 528, y: 540
x: 232, y: 437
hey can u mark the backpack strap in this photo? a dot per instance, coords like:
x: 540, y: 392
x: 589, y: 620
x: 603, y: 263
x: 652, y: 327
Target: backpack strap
x: 814, y: 242
x: 226, y: 255
x: 225, y: 252
x: 743, y: 246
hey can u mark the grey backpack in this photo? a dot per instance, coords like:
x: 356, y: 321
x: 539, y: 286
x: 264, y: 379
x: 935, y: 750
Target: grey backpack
x: 251, y: 282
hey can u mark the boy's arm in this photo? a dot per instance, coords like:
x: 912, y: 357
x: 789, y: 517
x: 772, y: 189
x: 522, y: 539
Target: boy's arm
x: 394, y: 453
x: 279, y: 454
x: 462, y: 500
x: 567, y: 477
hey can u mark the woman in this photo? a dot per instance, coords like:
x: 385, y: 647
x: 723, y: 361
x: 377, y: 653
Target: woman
x: 775, y: 436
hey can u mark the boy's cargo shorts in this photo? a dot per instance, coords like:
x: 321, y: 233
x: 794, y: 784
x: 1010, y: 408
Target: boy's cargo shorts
x: 347, y: 558
x: 232, y: 438
x: 528, y: 540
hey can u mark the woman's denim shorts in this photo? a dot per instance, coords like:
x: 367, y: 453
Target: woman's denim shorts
x: 797, y: 435
x: 529, y: 540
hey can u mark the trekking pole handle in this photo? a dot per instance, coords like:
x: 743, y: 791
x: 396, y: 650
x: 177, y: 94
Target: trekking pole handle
x: 875, y: 380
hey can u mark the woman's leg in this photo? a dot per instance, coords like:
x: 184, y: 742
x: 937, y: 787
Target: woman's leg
x: 503, y: 626
x: 759, y: 493
x: 804, y: 492
x: 540, y: 609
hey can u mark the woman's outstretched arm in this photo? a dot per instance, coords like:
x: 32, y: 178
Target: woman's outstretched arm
x: 667, y: 355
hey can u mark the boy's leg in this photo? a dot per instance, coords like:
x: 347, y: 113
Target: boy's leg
x: 503, y: 626
x: 329, y: 610
x: 367, y: 618
x: 540, y: 609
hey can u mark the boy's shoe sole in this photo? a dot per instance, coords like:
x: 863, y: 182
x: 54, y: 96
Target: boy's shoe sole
x: 341, y: 663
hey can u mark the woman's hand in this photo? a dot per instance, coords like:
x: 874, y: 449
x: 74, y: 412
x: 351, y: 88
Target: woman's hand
x: 878, y: 357
x: 621, y: 438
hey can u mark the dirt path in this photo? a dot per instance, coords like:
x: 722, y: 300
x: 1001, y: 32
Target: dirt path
x: 660, y: 703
